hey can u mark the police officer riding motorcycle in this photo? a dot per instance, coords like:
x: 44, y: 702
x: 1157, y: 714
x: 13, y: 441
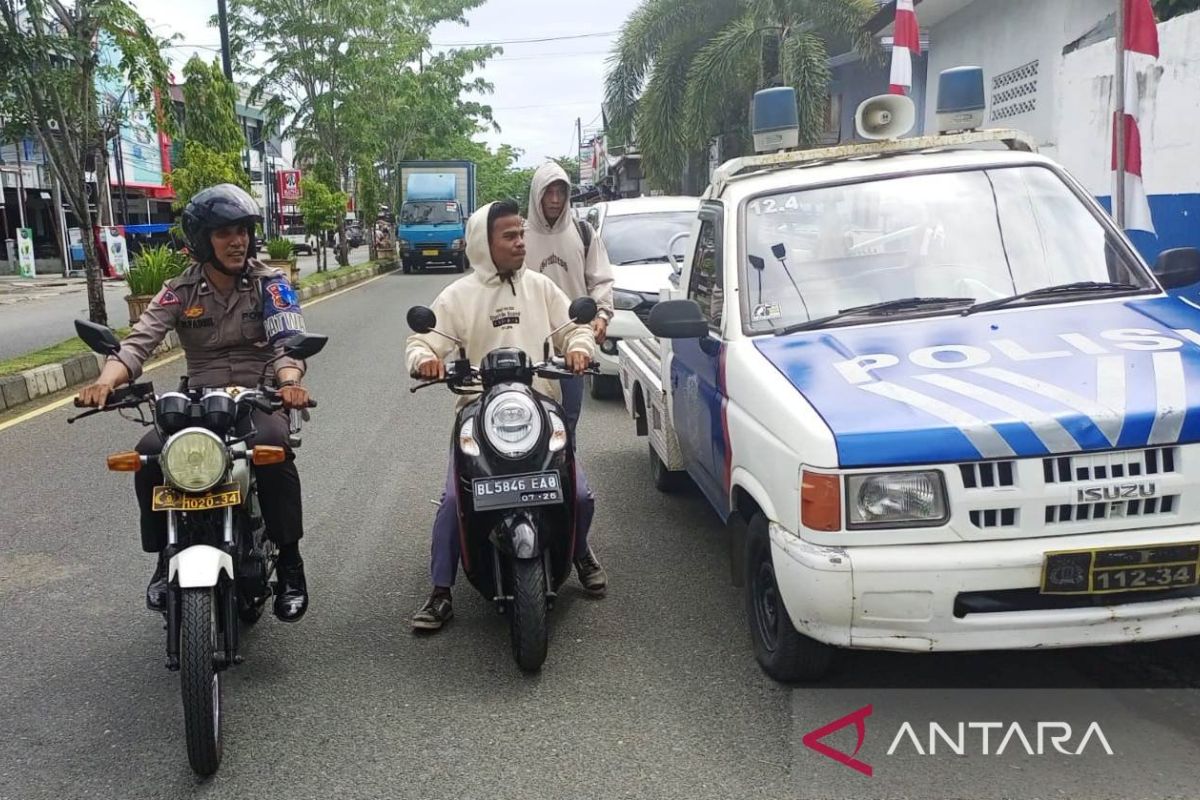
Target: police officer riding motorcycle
x: 233, y: 316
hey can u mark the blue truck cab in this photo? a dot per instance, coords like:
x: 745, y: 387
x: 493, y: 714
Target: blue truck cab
x: 436, y: 199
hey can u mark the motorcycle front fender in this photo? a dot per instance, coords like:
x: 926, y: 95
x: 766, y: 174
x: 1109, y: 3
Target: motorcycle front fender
x: 199, y: 566
x: 516, y: 536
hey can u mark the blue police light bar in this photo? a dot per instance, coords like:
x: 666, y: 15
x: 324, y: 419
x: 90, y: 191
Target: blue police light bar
x: 775, y: 120
x: 961, y: 102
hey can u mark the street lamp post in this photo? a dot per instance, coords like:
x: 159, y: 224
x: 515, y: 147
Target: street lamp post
x: 223, y: 22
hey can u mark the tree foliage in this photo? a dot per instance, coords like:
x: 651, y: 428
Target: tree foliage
x: 323, y: 208
x: 210, y: 108
x: 201, y: 167
x: 1168, y: 9
x: 51, y: 56
x: 684, y: 71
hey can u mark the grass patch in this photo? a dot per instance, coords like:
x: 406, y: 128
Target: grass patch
x: 341, y: 272
x: 50, y: 355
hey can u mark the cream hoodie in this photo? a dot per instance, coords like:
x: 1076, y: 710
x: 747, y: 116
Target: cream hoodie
x: 557, y: 251
x: 487, y: 311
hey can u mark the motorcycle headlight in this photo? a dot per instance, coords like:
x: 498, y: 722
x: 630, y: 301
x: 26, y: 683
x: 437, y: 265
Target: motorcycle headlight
x: 626, y: 301
x: 512, y: 424
x: 896, y: 499
x: 194, y: 460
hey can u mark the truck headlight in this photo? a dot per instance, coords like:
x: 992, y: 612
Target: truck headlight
x: 625, y: 300
x: 194, y: 460
x: 896, y: 499
x: 403, y: 244
x: 458, y: 244
x: 512, y: 424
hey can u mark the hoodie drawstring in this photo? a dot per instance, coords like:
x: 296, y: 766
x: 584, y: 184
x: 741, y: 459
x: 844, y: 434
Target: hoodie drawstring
x: 508, y: 276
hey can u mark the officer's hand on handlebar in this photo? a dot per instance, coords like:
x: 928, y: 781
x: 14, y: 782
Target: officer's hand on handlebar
x: 94, y: 395
x: 578, y: 362
x: 294, y: 396
x: 431, y: 369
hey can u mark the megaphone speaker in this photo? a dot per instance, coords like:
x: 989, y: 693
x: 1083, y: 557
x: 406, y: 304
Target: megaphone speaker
x: 885, y: 116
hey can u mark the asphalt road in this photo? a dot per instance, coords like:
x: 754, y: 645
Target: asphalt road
x: 44, y: 316
x: 649, y: 693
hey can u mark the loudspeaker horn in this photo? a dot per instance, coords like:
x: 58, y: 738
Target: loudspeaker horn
x: 885, y: 116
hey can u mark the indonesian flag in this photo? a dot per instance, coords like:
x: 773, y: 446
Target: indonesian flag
x: 905, y: 44
x: 1141, y: 51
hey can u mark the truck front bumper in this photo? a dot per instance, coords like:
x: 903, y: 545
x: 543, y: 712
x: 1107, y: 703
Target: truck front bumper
x: 967, y: 595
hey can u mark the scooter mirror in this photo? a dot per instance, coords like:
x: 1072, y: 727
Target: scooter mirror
x: 99, y: 338
x: 421, y: 319
x: 583, y: 310
x: 305, y: 345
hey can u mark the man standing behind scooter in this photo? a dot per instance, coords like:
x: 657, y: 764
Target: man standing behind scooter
x: 501, y: 304
x: 570, y: 254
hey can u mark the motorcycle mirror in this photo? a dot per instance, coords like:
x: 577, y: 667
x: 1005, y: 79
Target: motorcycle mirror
x: 99, y: 338
x: 758, y: 263
x: 421, y: 319
x: 305, y: 345
x: 583, y: 310
x: 779, y: 251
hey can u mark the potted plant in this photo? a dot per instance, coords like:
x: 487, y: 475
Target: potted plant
x: 281, y: 254
x: 151, y: 268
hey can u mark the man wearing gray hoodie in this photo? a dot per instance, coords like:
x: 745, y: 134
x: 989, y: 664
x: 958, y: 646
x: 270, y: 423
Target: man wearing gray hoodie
x: 555, y: 247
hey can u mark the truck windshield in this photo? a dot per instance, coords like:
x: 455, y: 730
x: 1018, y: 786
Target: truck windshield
x: 429, y: 213
x: 978, y: 235
x: 638, y: 238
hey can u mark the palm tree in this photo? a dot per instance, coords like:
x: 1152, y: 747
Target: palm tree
x: 685, y: 70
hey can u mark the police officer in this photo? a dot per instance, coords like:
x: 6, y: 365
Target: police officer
x: 232, y: 314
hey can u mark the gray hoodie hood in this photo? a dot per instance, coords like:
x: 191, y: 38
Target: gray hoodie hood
x: 543, y: 176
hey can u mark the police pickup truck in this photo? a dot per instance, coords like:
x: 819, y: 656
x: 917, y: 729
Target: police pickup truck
x: 940, y: 398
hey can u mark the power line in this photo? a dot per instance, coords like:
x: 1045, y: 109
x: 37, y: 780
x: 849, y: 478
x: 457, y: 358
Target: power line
x: 525, y: 41
x: 544, y: 105
x: 540, y: 56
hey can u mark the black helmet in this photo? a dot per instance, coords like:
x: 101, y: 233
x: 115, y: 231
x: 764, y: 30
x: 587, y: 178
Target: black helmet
x: 216, y: 207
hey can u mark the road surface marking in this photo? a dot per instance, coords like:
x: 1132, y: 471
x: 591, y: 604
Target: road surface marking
x: 37, y: 412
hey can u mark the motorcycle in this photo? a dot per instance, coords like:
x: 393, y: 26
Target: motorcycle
x: 514, y: 463
x: 221, y: 565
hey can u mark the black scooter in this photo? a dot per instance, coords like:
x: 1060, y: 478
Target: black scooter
x: 514, y: 463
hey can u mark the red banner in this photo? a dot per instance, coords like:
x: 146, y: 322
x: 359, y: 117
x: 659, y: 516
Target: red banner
x: 289, y: 185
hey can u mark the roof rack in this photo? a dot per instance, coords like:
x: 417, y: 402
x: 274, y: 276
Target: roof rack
x: 1012, y: 139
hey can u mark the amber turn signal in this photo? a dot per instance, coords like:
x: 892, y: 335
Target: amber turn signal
x: 265, y: 454
x: 820, y: 501
x: 127, y: 461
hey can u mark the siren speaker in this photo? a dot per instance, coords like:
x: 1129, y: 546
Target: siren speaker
x: 886, y: 116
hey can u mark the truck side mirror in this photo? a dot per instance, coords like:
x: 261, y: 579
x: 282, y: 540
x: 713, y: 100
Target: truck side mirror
x: 677, y: 319
x: 1178, y: 267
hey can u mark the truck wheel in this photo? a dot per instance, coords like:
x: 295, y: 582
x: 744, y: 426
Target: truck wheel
x: 783, y: 652
x: 665, y: 480
x: 406, y: 266
x: 605, y: 387
x: 460, y: 264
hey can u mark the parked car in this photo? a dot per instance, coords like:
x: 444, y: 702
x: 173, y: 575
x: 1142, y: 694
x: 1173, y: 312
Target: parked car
x: 637, y: 234
x: 354, y: 236
x: 301, y: 242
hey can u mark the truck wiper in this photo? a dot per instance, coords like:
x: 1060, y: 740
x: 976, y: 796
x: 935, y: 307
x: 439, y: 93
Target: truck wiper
x: 644, y: 260
x: 886, y: 307
x: 1078, y: 287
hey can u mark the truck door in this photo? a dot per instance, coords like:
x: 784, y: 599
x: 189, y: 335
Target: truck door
x: 697, y: 369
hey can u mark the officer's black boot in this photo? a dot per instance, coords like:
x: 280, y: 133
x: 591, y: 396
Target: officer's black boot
x: 291, y: 595
x: 156, y: 591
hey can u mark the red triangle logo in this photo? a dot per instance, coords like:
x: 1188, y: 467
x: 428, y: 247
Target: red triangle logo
x: 812, y: 739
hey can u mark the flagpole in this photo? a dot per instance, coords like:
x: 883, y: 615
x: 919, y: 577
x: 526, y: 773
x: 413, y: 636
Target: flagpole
x: 1119, y: 117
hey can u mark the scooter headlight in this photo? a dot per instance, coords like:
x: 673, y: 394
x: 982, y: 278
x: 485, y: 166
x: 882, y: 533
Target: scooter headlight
x: 512, y: 424
x: 194, y: 460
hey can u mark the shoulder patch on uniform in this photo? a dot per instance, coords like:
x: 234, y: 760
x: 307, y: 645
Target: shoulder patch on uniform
x: 281, y: 309
x: 168, y: 298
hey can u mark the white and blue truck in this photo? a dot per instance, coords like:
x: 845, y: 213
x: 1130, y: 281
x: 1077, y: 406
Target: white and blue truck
x: 939, y: 398
x: 436, y: 198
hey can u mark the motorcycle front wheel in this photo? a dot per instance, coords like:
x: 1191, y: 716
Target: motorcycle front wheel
x: 527, y: 622
x: 200, y: 682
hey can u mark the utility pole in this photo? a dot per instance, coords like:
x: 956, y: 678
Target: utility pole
x: 223, y: 22
x: 1119, y: 119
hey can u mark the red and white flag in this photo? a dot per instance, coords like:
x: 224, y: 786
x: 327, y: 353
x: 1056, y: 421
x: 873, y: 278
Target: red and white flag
x: 906, y: 43
x: 1141, y: 51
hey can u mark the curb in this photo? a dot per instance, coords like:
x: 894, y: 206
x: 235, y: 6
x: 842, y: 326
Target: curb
x: 23, y: 387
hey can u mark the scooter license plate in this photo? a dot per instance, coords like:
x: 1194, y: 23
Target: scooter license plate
x: 517, y: 491
x: 167, y: 498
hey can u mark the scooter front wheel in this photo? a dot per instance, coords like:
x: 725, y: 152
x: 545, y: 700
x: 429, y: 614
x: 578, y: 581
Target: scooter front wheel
x: 527, y: 620
x: 199, y: 679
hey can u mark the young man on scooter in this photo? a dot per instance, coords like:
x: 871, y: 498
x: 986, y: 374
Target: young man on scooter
x: 501, y: 304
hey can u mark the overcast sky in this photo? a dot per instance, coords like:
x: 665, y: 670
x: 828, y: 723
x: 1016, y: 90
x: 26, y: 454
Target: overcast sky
x: 540, y: 87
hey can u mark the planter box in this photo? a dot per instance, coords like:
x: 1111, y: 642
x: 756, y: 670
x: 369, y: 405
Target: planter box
x: 137, y: 304
x: 386, y: 255
x: 288, y: 265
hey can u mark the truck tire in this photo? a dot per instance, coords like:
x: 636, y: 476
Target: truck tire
x: 665, y: 480
x: 460, y: 264
x: 784, y: 653
x: 406, y: 266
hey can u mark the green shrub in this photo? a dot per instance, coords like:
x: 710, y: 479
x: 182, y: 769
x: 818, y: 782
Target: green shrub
x: 280, y: 249
x: 153, y: 267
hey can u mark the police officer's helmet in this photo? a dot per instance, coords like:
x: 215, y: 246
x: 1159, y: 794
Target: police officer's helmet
x: 216, y: 207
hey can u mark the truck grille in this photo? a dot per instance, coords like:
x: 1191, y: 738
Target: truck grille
x: 1113, y: 509
x: 1106, y: 466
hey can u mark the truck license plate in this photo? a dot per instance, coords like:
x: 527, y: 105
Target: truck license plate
x: 516, y: 491
x: 429, y: 252
x: 1123, y: 569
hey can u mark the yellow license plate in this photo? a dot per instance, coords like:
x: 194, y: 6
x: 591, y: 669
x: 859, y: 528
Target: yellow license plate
x: 1122, y: 569
x: 169, y: 499
x: 429, y: 252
